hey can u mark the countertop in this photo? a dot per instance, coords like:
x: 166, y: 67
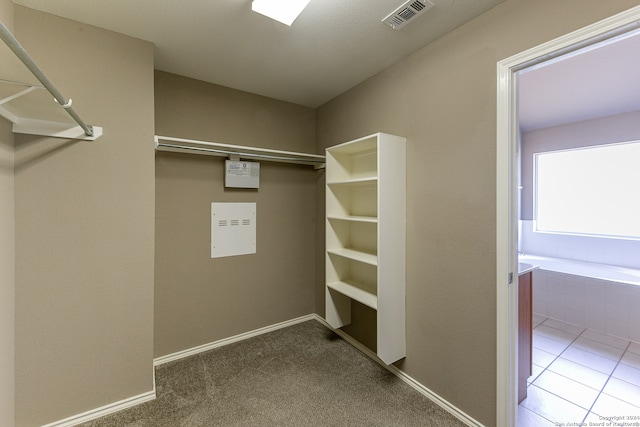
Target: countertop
x: 524, y: 268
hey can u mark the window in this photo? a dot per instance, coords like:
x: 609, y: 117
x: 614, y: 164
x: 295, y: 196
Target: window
x: 589, y: 191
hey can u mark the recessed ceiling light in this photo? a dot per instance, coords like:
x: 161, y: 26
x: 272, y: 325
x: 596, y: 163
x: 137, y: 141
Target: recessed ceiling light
x: 285, y: 11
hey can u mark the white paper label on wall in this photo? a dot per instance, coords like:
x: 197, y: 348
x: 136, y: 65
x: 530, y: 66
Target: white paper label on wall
x: 233, y: 229
x: 240, y: 174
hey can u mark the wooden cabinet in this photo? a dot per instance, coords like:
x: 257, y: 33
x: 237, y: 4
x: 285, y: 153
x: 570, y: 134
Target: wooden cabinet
x: 525, y: 328
x: 365, y: 236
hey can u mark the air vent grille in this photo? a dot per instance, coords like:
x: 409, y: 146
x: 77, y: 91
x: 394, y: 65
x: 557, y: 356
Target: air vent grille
x: 406, y: 12
x: 417, y: 5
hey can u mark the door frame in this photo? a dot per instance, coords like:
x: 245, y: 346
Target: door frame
x: 507, y: 192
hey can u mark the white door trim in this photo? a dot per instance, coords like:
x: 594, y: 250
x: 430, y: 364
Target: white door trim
x: 506, y: 196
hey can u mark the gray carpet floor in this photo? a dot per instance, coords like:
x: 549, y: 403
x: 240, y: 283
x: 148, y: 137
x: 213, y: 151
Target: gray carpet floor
x: 302, y: 375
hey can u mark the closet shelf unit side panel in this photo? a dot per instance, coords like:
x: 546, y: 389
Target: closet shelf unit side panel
x: 391, y: 316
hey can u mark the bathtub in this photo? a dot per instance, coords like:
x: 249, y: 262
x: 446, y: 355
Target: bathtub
x: 585, y: 269
x: 595, y: 296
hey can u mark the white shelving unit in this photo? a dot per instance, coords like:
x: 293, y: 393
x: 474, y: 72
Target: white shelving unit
x: 366, y: 234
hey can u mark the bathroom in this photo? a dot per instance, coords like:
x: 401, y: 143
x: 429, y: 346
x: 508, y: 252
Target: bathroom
x: 586, y: 289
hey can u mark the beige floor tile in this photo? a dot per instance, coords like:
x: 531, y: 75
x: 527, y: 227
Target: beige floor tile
x: 605, y: 339
x: 623, y: 390
x: 589, y: 359
x: 548, y: 345
x: 555, y: 334
x: 526, y: 418
x: 552, y: 407
x: 542, y: 358
x: 631, y: 359
x: 597, y: 420
x: 536, y: 370
x: 567, y: 327
x: 567, y: 389
x: 598, y: 348
x: 627, y: 373
x: 580, y: 373
x: 609, y: 406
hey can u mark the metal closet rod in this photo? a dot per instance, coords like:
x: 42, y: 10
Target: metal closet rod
x: 226, y: 150
x: 26, y: 59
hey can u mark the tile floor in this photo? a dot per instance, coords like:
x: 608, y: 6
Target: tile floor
x: 581, y: 376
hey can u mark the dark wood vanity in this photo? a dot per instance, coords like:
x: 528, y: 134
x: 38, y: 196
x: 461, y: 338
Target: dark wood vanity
x: 525, y: 332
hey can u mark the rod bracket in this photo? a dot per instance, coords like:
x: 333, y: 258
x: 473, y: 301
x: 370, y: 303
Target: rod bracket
x: 66, y: 104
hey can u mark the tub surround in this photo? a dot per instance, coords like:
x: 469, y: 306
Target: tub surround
x: 623, y: 253
x: 595, y: 296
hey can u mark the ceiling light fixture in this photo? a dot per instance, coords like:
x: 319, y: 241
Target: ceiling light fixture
x: 285, y: 11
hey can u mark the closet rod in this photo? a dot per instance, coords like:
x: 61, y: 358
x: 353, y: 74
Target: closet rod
x: 26, y: 59
x: 226, y: 150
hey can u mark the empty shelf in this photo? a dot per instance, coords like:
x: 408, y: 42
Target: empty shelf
x: 355, y: 291
x: 355, y: 218
x: 365, y: 182
x: 355, y: 255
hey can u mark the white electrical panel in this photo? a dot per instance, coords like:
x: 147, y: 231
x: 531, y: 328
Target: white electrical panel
x: 239, y: 174
x: 233, y: 229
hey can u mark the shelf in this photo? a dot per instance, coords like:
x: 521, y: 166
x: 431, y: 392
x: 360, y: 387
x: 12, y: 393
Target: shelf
x: 356, y: 182
x: 192, y: 146
x: 354, y: 218
x: 354, y: 255
x: 32, y: 111
x: 358, y: 146
x: 32, y: 108
x: 355, y: 291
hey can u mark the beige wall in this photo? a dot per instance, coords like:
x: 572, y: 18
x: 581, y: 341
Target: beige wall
x: 7, y: 275
x: 85, y: 227
x: 443, y: 99
x: 199, y: 300
x: 7, y: 250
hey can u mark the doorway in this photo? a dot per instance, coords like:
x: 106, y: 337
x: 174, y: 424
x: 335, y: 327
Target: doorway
x: 507, y: 191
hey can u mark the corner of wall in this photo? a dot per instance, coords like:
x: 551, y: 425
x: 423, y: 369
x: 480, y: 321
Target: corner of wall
x: 7, y: 276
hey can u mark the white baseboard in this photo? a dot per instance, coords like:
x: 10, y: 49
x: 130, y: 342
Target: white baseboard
x: 206, y: 347
x: 106, y: 410
x: 437, y: 399
x: 145, y: 397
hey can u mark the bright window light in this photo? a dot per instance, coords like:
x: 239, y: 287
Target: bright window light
x: 285, y: 11
x: 589, y: 191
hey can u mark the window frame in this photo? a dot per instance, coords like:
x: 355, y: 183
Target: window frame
x: 536, y: 213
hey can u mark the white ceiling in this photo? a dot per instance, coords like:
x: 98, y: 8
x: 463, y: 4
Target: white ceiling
x: 336, y: 44
x: 598, y: 81
x: 331, y: 47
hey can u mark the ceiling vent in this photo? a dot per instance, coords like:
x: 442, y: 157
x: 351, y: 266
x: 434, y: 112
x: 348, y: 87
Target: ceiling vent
x: 407, y: 12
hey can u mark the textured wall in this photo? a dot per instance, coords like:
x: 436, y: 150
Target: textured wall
x: 7, y: 249
x: 7, y: 275
x: 199, y: 299
x: 85, y: 227
x: 443, y: 99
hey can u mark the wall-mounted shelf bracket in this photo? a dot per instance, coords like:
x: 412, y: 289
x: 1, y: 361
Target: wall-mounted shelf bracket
x: 31, y: 126
x: 20, y: 102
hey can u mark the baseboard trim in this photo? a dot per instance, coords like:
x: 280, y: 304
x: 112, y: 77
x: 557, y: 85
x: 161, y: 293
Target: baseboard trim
x: 106, y: 410
x: 145, y: 397
x: 430, y: 394
x: 225, y: 341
